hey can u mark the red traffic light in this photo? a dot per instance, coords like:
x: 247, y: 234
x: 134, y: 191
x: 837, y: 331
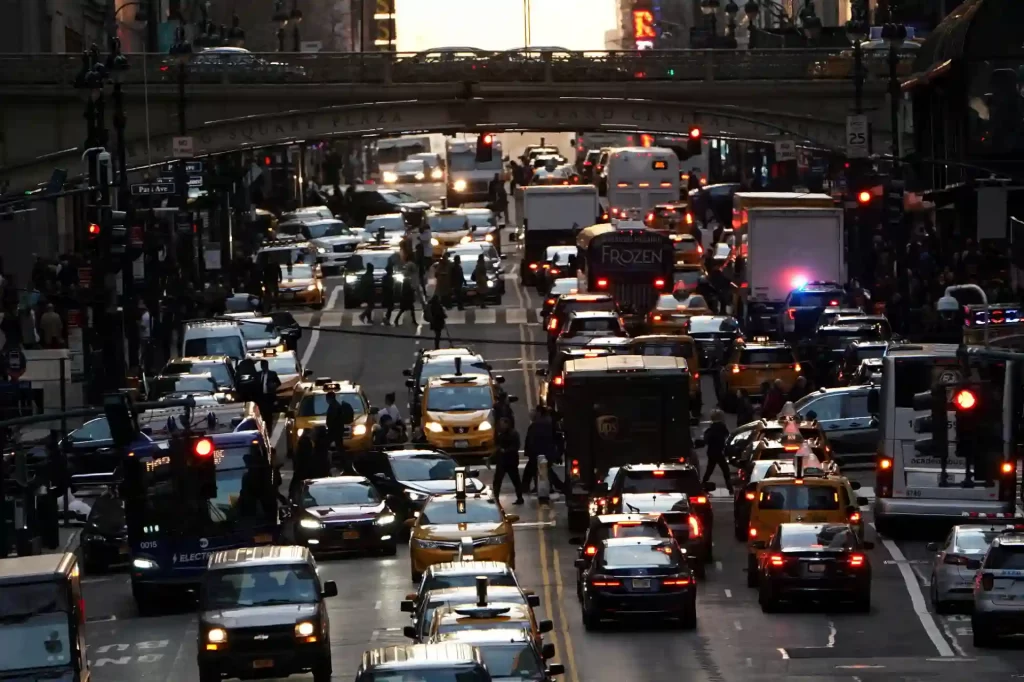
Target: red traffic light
x: 694, y: 133
x: 267, y: 161
x: 203, y: 447
x: 488, y: 138
x: 864, y: 197
x: 94, y: 230
x: 965, y: 399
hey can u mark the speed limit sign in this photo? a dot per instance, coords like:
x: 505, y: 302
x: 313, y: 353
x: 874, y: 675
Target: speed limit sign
x: 857, y: 136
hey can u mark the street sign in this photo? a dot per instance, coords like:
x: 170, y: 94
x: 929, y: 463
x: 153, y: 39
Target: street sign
x: 195, y: 181
x: 785, y: 150
x: 181, y: 148
x: 136, y: 236
x: 149, y: 189
x: 183, y: 223
x: 191, y: 167
x: 857, y: 136
x: 15, y: 361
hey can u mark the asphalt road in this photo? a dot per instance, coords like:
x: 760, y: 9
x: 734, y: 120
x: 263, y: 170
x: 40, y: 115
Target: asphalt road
x: 900, y: 639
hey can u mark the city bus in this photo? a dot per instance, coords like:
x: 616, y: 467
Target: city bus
x: 174, y: 522
x: 908, y: 485
x: 640, y: 178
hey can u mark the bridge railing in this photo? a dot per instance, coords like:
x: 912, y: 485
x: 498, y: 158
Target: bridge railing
x: 521, y: 67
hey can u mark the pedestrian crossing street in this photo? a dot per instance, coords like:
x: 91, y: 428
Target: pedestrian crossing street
x: 333, y: 319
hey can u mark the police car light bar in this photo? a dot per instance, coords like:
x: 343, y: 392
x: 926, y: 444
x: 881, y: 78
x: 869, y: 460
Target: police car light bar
x: 333, y: 386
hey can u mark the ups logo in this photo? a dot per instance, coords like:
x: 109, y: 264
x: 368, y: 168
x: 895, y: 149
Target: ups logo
x: 608, y: 427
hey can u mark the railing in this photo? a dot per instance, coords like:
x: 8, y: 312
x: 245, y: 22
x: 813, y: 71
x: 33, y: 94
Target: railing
x: 521, y: 67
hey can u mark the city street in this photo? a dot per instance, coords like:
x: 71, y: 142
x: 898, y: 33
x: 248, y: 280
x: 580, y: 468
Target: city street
x: 899, y: 639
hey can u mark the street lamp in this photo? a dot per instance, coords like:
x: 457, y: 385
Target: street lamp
x: 894, y: 35
x: 296, y: 18
x: 117, y: 66
x: 281, y: 19
x: 236, y: 36
x: 856, y: 31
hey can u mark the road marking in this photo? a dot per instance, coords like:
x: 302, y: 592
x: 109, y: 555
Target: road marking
x: 515, y: 316
x: 334, y: 319
x: 303, y: 319
x: 570, y: 654
x: 917, y: 598
x: 738, y: 625
x: 419, y: 331
x: 832, y: 632
x: 486, y: 316
x: 718, y: 566
x: 333, y: 300
x: 377, y: 606
x: 455, y: 317
x: 374, y: 635
x: 784, y: 653
x: 728, y: 593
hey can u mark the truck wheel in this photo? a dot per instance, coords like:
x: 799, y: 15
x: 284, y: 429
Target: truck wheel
x: 323, y: 670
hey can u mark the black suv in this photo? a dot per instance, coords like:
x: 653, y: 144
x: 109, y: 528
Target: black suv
x: 799, y: 316
x: 262, y: 613
x: 367, y: 201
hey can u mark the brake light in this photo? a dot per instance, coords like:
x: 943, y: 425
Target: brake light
x: 735, y: 369
x: 553, y: 324
x: 606, y: 583
x: 649, y: 219
x: 752, y: 532
x: 588, y: 163
x: 615, y: 500
x: 856, y: 560
x: 547, y: 266
x: 988, y: 581
x: 675, y: 582
x: 1006, y: 467
x: 602, y: 283
x: 790, y: 448
x: 558, y: 381
x: 550, y: 301
x: 627, y: 523
x: 695, y: 531
x: 689, y: 218
x: 778, y: 560
x: 855, y: 517
x: 954, y: 560
x: 750, y: 496
x: 885, y: 464
x: 575, y: 471
x: 700, y: 499
x: 590, y: 550
x: 797, y: 367
x: 791, y: 313
x: 534, y: 266
x: 657, y: 318
x: 659, y: 283
x: 696, y: 375
x: 700, y: 249
x: 623, y: 184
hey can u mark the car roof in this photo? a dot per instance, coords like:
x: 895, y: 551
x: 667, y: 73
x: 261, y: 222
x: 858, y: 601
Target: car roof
x: 332, y: 480
x: 661, y: 466
x: 202, y: 359
x: 262, y: 555
x: 585, y: 297
x: 36, y: 568
x: 751, y: 345
x: 446, y: 352
x: 413, y: 451
x: 446, y: 594
x: 491, y: 636
x: 465, y: 379
x: 612, y: 519
x: 642, y: 541
x: 416, y: 656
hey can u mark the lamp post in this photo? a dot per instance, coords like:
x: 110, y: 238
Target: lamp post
x: 296, y: 18
x: 894, y: 35
x: 181, y: 51
x: 281, y: 19
x: 856, y: 32
x: 709, y: 8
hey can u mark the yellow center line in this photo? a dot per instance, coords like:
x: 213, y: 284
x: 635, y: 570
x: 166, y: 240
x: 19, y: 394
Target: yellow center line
x: 545, y: 575
x: 570, y: 654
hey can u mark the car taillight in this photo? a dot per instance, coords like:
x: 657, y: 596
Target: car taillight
x: 550, y: 301
x: 575, y: 470
x: 649, y: 219
x: 558, y: 381
x: 615, y: 500
x: 750, y: 496
x: 676, y: 582
x: 833, y: 303
x: 555, y: 271
x: 689, y: 218
x: 735, y: 369
x: 699, y: 499
x: 885, y: 463
x: 656, y: 318
x: 791, y: 313
x: 590, y: 550
x: 553, y: 324
x: 954, y: 560
x: 659, y: 283
x: 855, y: 517
x: 694, y: 526
x: 696, y: 375
x: 700, y: 249
x: 602, y: 283
x: 988, y: 581
x: 856, y: 560
x: 1007, y: 468
x: 604, y: 581
x: 752, y: 532
x: 588, y: 163
x: 534, y: 266
x: 797, y: 367
x: 777, y: 560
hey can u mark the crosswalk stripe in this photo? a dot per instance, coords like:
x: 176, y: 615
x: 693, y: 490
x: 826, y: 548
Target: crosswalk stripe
x: 303, y: 319
x: 455, y: 317
x: 331, y: 319
x: 515, y: 316
x: 356, y: 321
x: 485, y: 316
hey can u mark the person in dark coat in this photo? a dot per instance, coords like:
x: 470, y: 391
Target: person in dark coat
x: 744, y: 408
x: 387, y: 296
x: 714, y: 440
x: 437, y: 316
x: 799, y: 390
x: 302, y: 464
x: 458, y: 282
x: 506, y: 458
x: 407, y: 300
x: 503, y: 409
x: 320, y: 459
x: 773, y: 401
x: 267, y: 386
x: 366, y: 293
x: 339, y: 417
x: 540, y: 440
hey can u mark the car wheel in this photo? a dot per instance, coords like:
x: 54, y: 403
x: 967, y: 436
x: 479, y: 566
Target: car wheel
x: 764, y: 597
x: 147, y: 600
x: 751, y: 571
x: 863, y: 603
x: 208, y: 673
x: 984, y: 637
x: 322, y: 671
x: 416, y: 577
x: 941, y: 607
x: 700, y: 570
x: 389, y: 549
x: 740, y: 533
x: 591, y: 620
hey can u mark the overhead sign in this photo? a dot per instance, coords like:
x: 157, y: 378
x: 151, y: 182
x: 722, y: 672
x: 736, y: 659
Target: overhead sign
x: 857, y: 136
x: 195, y: 181
x: 182, y: 147
x: 146, y: 189
x: 785, y: 150
x: 191, y: 167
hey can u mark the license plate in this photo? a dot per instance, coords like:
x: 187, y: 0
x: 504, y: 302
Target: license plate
x: 350, y: 535
x: 642, y: 584
x: 263, y: 663
x: 816, y: 568
x: 462, y: 443
x: 288, y: 296
x: 263, y: 539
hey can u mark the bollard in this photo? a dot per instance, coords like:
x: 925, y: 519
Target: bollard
x: 543, y: 484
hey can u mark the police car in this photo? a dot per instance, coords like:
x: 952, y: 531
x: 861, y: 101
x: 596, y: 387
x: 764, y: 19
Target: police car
x: 999, y: 589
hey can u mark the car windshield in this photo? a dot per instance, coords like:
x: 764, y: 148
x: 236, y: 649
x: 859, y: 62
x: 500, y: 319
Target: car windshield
x: 220, y: 372
x: 668, y: 349
x: 161, y: 386
x: 423, y: 468
x: 628, y: 556
x: 417, y: 673
x: 447, y: 512
x: 627, y: 529
x: 689, y: 278
x: 448, y: 222
x: 409, y: 167
x: 766, y: 356
x: 799, y: 537
x: 327, y: 229
x: 282, y: 364
x: 823, y: 299
x: 257, y: 330
x: 512, y: 660
x: 316, y: 405
x: 388, y: 223
x: 440, y: 582
x: 378, y: 259
x: 38, y: 640
x: 340, y: 493
x: 594, y: 324
x: 257, y: 585
x: 481, y: 219
x: 457, y: 398
x: 669, y: 302
x: 1005, y: 558
x: 397, y: 196
x: 799, y: 497
x: 668, y: 481
x: 713, y: 325
x: 976, y: 540
x: 229, y: 345
x: 558, y: 254
x: 446, y: 365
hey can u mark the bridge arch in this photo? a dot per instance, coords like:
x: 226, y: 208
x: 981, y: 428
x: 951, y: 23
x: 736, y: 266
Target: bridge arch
x: 380, y: 119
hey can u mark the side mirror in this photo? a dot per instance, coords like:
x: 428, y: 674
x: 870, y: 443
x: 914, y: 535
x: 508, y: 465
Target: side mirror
x: 498, y: 379
x: 855, y: 485
x: 513, y: 399
x: 330, y: 589
x: 409, y: 523
x: 556, y: 669
x: 533, y: 600
x: 863, y: 501
x: 547, y: 651
x: 580, y: 563
x: 409, y: 383
x: 380, y: 477
x: 408, y: 606
x: 932, y: 547
x: 710, y: 486
x: 869, y: 545
x: 542, y: 372
x: 406, y: 372
x: 511, y: 518
x: 759, y: 544
x: 545, y: 626
x: 873, y: 407
x: 410, y: 632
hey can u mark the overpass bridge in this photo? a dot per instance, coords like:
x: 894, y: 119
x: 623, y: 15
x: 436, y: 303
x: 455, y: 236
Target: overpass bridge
x: 257, y: 100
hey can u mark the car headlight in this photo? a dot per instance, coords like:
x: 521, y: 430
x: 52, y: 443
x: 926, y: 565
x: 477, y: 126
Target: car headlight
x: 490, y: 284
x: 420, y: 176
x: 216, y: 635
x: 433, y: 427
x: 299, y: 432
x: 459, y: 186
x: 434, y: 242
x: 304, y: 629
x: 321, y: 249
x: 359, y: 430
x: 385, y: 520
x: 349, y: 279
x: 143, y: 564
x: 311, y: 287
x: 492, y: 540
x: 489, y: 237
x: 279, y: 348
x: 484, y: 426
x: 399, y: 277
x: 436, y: 174
x: 466, y: 240
x: 310, y: 524
x: 416, y: 496
x: 390, y: 177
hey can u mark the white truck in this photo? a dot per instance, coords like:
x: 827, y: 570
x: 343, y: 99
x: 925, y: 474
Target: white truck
x: 788, y: 248
x: 549, y: 215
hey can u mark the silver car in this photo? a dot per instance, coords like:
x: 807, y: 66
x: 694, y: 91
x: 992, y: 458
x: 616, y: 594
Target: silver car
x: 999, y: 589
x: 956, y: 561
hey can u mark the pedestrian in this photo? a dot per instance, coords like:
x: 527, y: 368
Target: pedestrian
x: 51, y: 328
x: 390, y: 409
x: 458, y: 282
x: 773, y: 400
x: 302, y: 464
x: 387, y: 293
x: 744, y: 408
x: 503, y: 408
x: 145, y: 339
x: 437, y: 316
x: 480, y: 279
x: 267, y: 402
x: 799, y: 389
x: 516, y: 176
x: 246, y: 380
x: 272, y: 277
x: 366, y: 293
x: 425, y: 252
x: 714, y: 440
x: 443, y: 280
x: 506, y: 459
x: 407, y: 300
x: 338, y: 420
x: 540, y: 440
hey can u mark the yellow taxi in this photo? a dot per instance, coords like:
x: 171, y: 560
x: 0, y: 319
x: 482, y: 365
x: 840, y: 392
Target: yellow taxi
x: 666, y: 218
x: 301, y: 284
x: 435, y: 601
x: 289, y: 371
x: 752, y: 364
x: 793, y: 496
x: 456, y: 413
x: 447, y: 520
x: 671, y: 315
x: 448, y: 227
x: 308, y: 410
x: 493, y: 615
x: 687, y: 249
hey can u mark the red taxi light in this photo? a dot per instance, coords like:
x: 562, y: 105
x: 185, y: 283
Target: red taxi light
x: 856, y: 560
x: 695, y: 531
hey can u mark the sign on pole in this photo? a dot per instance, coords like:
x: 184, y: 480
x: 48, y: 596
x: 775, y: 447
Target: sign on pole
x: 857, y: 136
x: 785, y: 150
x: 191, y: 167
x: 181, y: 147
x: 311, y: 46
x: 147, y: 189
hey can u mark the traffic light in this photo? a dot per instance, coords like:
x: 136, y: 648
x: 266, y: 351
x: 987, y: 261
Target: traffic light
x: 203, y: 465
x: 93, y: 236
x: 894, y: 191
x: 935, y: 423
x: 693, y: 141
x: 117, y: 237
x: 484, y: 147
x: 973, y: 436
x: 864, y: 197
